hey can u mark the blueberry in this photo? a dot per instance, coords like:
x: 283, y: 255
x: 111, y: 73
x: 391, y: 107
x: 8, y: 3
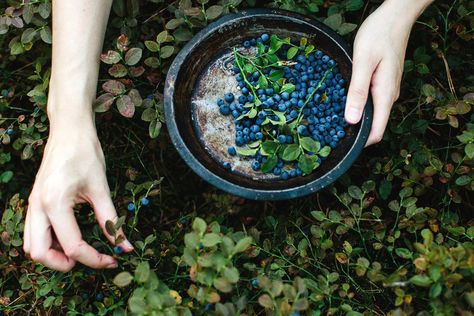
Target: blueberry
x: 117, y: 250
x: 269, y: 91
x: 10, y: 132
x: 289, y: 139
x: 281, y: 139
x: 145, y: 201
x: 99, y: 296
x: 265, y: 37
x: 293, y: 173
x: 295, y: 314
x: 245, y: 91
x: 229, y: 97
x: 285, y: 175
x: 250, y: 98
x: 301, y: 129
x: 285, y: 96
x: 225, y: 110
x: 183, y: 221
x: 208, y: 307
x: 246, y: 44
x: 131, y: 207
x: 255, y: 282
x: 256, y: 165
x: 340, y: 134
x: 5, y: 93
x: 220, y: 102
x: 276, y: 171
x: 85, y: 296
x: 227, y: 165
x: 242, y: 99
x: 258, y: 136
x: 232, y: 151
x: 246, y: 131
x: 235, y: 113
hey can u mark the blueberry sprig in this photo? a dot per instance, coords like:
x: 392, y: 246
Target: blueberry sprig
x: 290, y: 113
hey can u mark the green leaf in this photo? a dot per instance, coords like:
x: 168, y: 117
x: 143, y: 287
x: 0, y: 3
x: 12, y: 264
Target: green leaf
x: 307, y: 164
x: 291, y: 152
x: 199, y: 226
x: 421, y: 280
x: 292, y: 53
x: 246, y: 151
x: 463, y: 180
x: 385, y: 189
x: 133, y: 56
x: 45, y: 34
x: 211, y: 239
x: 269, y: 148
x: 288, y: 87
x: 223, y: 285
x: 142, y: 272
x: 262, y: 82
x: 123, y: 279
x: 355, y: 192
x: 469, y: 150
x: 6, y: 176
x: 276, y: 75
x: 270, y: 163
x: 154, y: 128
x: 231, y: 274
x: 334, y: 21
x: 346, y: 28
x: 213, y: 12
x: 354, y: 5
x: 166, y: 51
x: 325, y: 151
x: 162, y: 37
x: 403, y: 253
x: 152, y: 46
x: 310, y: 144
x: 308, y: 50
x: 242, y: 245
x: 28, y: 35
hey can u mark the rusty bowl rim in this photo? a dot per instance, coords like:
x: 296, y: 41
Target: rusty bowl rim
x: 252, y: 193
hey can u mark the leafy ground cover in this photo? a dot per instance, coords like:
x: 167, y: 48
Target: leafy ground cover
x: 392, y: 236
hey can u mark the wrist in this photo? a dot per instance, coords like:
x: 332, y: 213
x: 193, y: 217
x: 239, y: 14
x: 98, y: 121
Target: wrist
x: 407, y: 11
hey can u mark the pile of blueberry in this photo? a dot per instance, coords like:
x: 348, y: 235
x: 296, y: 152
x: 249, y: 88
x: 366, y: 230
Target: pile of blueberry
x: 291, y: 106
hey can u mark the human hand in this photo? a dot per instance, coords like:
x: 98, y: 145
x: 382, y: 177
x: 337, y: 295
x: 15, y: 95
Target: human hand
x: 379, y: 53
x: 72, y: 172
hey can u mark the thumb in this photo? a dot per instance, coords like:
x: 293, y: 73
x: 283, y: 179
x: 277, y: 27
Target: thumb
x: 104, y: 211
x: 362, y: 70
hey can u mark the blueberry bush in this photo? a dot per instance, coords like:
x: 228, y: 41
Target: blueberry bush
x: 393, y: 236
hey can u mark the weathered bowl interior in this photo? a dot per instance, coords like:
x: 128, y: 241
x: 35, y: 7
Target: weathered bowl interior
x: 185, y: 85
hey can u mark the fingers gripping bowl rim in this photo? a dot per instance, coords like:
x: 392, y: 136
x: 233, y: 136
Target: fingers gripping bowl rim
x: 185, y: 82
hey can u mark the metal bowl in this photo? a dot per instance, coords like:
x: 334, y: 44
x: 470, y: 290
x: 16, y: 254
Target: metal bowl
x: 201, y: 73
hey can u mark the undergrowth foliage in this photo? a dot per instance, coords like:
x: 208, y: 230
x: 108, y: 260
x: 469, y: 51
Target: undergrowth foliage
x: 392, y: 236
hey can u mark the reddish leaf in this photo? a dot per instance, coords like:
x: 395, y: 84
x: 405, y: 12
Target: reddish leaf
x: 111, y: 57
x: 113, y: 86
x: 133, y: 56
x: 103, y: 102
x: 126, y: 106
x: 136, y: 71
x: 118, y: 71
x: 135, y: 96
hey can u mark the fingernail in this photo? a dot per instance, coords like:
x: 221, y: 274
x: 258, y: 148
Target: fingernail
x: 353, y: 114
x: 127, y: 245
x: 112, y: 265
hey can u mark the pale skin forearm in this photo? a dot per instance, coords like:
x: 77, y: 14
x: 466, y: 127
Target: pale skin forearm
x: 73, y: 167
x: 379, y: 54
x: 78, y: 30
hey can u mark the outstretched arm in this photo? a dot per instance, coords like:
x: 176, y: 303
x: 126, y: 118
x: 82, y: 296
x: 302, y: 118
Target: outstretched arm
x: 73, y: 166
x: 379, y: 54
